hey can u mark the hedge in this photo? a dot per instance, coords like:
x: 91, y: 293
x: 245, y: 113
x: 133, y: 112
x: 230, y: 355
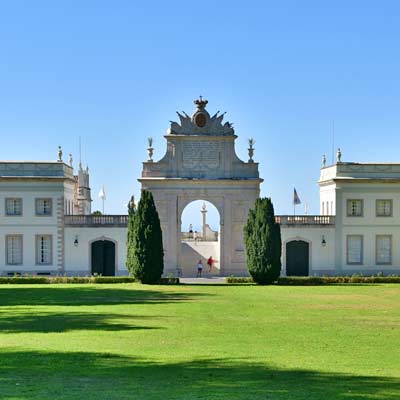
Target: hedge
x: 321, y: 280
x: 78, y: 279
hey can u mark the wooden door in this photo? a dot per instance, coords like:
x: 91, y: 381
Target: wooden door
x: 297, y: 258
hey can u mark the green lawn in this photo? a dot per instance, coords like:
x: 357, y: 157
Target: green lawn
x: 128, y: 341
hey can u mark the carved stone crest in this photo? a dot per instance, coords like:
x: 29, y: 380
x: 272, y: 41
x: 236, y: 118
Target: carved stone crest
x: 200, y: 123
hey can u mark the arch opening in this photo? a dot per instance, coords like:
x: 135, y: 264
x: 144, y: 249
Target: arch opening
x: 200, y: 239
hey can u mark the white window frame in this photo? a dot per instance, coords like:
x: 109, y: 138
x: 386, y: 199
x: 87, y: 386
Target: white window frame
x: 7, y: 238
x: 348, y: 262
x: 39, y: 250
x: 6, y: 206
x: 391, y: 208
x: 37, y: 211
x: 377, y: 237
x: 349, y: 214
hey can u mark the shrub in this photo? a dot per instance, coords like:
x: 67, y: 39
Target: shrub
x: 321, y: 280
x: 20, y: 279
x: 146, y: 254
x: 130, y: 242
x: 263, y: 243
x: 235, y: 279
x: 66, y: 279
x: 329, y: 280
x: 170, y: 280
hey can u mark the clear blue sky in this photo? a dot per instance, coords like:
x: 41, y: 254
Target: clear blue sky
x: 115, y: 72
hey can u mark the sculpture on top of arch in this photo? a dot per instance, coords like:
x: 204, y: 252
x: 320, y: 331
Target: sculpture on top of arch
x: 201, y: 147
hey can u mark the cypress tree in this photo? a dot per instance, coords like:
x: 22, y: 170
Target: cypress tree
x: 263, y: 243
x: 130, y: 243
x: 147, y: 254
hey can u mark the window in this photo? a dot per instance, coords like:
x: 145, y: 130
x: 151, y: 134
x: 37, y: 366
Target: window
x: 355, y: 208
x: 43, y: 207
x: 384, y: 208
x: 354, y: 249
x: 327, y: 208
x: 13, y: 206
x: 383, y: 249
x: 14, y: 249
x: 323, y: 208
x: 43, y: 249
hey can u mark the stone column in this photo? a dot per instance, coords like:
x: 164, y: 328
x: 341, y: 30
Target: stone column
x: 204, y: 212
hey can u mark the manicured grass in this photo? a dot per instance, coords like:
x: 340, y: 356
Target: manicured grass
x: 128, y: 341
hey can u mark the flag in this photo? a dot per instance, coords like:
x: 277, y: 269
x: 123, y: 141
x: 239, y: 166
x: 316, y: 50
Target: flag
x: 102, y: 193
x: 296, y: 198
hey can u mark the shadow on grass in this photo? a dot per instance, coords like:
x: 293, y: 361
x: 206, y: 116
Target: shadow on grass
x: 87, y: 296
x: 40, y: 375
x: 53, y: 322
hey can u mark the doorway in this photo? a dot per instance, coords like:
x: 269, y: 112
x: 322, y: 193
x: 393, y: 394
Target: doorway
x: 297, y: 258
x: 103, y: 258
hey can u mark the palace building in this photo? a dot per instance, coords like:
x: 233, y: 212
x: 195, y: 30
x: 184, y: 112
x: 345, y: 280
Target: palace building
x: 46, y: 225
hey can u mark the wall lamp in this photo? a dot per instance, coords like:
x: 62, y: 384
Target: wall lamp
x: 323, y: 241
x: 76, y: 242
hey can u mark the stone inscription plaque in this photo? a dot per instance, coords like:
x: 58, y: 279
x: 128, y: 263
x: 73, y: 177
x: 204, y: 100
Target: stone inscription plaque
x: 201, y: 155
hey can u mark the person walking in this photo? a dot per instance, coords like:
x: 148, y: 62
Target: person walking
x: 199, y: 268
x: 210, y: 263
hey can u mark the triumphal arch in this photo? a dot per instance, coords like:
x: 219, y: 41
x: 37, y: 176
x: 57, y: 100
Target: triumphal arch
x: 201, y: 164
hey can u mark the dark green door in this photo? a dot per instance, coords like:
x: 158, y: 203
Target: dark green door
x: 297, y: 258
x: 103, y: 258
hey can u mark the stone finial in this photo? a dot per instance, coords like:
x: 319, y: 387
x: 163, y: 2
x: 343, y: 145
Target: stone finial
x: 71, y: 161
x: 251, y: 149
x: 323, y: 161
x: 60, y: 153
x: 131, y: 204
x: 339, y: 155
x: 150, y: 149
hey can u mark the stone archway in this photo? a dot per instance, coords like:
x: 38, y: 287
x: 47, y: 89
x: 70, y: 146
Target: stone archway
x: 201, y: 163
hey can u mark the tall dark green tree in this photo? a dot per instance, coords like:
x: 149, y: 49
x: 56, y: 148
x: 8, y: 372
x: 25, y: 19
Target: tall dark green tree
x: 146, y: 257
x: 263, y: 243
x: 130, y: 242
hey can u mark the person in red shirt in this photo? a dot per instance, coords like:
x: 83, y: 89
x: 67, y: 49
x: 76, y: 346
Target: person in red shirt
x: 210, y: 262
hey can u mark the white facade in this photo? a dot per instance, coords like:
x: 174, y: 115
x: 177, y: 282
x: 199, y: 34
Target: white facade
x: 46, y: 226
x: 78, y: 257
x: 40, y: 193
x: 367, y: 198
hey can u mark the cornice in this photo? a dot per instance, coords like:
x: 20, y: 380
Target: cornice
x: 199, y: 182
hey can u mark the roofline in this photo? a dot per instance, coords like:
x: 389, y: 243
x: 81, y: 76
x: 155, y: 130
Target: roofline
x: 359, y: 180
x: 33, y: 162
x: 36, y: 178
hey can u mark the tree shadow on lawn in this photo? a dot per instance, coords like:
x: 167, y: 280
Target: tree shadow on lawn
x: 87, y: 296
x: 55, y: 322
x: 46, y: 375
